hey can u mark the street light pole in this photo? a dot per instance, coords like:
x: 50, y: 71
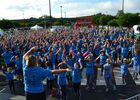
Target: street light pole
x: 61, y: 14
x: 65, y: 14
x: 61, y: 11
x: 123, y: 6
x: 50, y: 13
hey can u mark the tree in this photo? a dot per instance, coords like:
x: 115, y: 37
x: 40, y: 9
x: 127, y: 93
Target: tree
x: 15, y: 24
x: 113, y: 22
x: 128, y: 20
x: 6, y: 24
x: 96, y: 18
x: 105, y: 19
x: 58, y: 22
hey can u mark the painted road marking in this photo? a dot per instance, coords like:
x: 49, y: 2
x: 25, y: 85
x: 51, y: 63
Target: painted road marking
x: 2, y: 90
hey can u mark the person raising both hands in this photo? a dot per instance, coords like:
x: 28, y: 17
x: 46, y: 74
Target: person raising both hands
x: 34, y: 76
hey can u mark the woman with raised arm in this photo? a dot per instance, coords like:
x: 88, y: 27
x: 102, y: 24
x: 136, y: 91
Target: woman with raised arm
x: 34, y: 76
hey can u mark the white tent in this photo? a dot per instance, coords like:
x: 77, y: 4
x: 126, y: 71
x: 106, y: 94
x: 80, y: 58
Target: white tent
x: 36, y: 27
x: 1, y: 32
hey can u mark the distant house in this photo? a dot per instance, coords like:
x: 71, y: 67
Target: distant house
x: 84, y: 21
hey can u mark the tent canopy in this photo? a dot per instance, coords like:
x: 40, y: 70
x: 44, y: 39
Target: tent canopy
x: 1, y: 32
x: 36, y: 27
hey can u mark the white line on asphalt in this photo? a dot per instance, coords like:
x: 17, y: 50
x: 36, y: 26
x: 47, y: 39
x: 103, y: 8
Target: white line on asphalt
x: 2, y: 90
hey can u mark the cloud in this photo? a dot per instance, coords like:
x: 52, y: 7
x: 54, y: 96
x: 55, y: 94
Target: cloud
x: 14, y: 9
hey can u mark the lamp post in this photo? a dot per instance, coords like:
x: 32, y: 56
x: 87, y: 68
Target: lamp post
x: 50, y: 13
x: 44, y: 22
x: 61, y: 11
x: 123, y: 6
x: 65, y: 14
x: 61, y: 14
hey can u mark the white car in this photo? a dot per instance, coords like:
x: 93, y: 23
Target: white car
x: 136, y: 29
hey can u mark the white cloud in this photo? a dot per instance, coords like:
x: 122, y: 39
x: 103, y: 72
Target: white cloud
x: 14, y: 9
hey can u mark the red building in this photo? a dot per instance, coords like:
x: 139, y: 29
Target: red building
x: 84, y: 21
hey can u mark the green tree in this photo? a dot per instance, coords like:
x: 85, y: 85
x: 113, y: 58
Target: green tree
x: 113, y: 22
x: 6, y: 24
x: 128, y: 20
x: 96, y: 18
x: 58, y: 22
x: 105, y: 19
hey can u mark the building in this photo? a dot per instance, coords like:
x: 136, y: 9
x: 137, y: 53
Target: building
x: 84, y: 21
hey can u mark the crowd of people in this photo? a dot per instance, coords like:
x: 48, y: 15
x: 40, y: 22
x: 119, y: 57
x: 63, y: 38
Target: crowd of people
x: 63, y: 54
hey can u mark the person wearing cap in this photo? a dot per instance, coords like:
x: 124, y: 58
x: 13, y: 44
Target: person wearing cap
x: 102, y: 57
x: 34, y: 76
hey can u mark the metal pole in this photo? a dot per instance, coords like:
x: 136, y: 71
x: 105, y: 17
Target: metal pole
x: 123, y: 6
x: 61, y: 15
x: 44, y: 22
x: 50, y: 13
x: 61, y: 11
x: 65, y: 14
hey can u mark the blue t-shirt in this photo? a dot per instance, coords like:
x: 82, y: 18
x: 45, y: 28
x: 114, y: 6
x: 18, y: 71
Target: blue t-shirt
x: 108, y: 50
x: 71, y: 62
x: 107, y: 69
x: 7, y: 56
x: 62, y: 79
x: 113, y: 54
x: 59, y: 56
x: 9, y: 75
x: 50, y: 76
x: 33, y: 78
x: 52, y: 58
x: 97, y: 51
x: 76, y: 75
x: 124, y: 52
x: 124, y: 69
x: 136, y: 60
x: 90, y: 67
x: 18, y: 64
x: 112, y: 37
x: 103, y: 60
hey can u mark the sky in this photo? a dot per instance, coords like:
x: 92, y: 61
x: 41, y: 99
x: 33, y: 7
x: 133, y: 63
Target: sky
x: 19, y: 9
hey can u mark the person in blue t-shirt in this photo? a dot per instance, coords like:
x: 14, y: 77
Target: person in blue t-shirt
x: 7, y: 55
x: 18, y: 66
x: 76, y: 78
x: 102, y: 57
x: 62, y: 81
x: 90, y: 71
x: 34, y: 76
x: 50, y: 79
x: 124, y: 51
x: 136, y: 65
x: 108, y: 75
x: 124, y: 70
x: 113, y: 55
x: 10, y: 77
